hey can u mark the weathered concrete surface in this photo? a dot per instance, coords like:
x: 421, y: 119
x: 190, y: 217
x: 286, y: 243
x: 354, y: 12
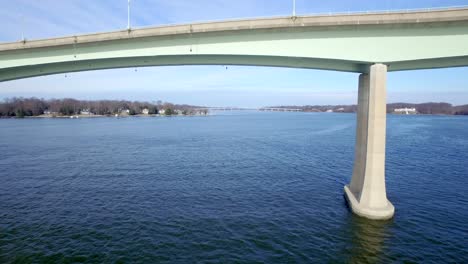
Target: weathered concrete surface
x: 366, y: 194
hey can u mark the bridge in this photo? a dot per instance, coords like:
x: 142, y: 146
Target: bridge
x: 280, y: 109
x: 228, y: 108
x: 371, y: 44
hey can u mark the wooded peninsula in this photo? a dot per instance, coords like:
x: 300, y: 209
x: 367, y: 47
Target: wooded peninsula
x: 35, y: 107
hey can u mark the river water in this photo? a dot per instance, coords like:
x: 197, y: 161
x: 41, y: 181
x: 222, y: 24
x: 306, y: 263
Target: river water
x: 231, y: 187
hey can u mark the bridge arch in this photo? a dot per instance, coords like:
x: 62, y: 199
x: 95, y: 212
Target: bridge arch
x: 176, y: 60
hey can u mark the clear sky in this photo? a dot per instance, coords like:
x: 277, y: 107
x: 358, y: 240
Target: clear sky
x: 209, y: 85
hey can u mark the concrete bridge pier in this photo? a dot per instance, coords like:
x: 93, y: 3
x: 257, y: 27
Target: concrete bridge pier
x: 366, y: 194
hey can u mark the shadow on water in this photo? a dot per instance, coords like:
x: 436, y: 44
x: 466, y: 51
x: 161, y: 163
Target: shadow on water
x: 366, y: 240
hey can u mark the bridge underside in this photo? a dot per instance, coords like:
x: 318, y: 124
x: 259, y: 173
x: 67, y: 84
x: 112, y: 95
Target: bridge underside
x: 28, y: 71
x: 179, y: 60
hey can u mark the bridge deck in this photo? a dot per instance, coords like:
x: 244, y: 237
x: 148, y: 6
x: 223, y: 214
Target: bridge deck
x: 316, y: 21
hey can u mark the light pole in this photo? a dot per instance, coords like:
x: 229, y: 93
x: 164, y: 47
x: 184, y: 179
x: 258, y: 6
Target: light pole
x: 294, y: 8
x: 23, y: 39
x: 128, y: 16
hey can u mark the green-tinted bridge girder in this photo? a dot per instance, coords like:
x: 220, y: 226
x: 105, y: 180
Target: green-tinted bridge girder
x: 401, y: 40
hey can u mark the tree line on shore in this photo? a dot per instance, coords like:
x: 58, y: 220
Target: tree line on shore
x: 23, y: 107
x: 423, y: 108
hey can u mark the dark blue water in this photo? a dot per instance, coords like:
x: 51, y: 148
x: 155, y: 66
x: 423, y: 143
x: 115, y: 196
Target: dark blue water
x: 233, y: 187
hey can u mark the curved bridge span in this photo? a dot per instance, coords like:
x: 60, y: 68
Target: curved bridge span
x: 371, y: 44
x: 402, y: 41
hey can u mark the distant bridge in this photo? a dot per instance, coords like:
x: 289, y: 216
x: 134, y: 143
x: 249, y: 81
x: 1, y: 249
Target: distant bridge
x: 227, y: 108
x: 280, y: 109
x: 273, y: 109
x: 371, y: 44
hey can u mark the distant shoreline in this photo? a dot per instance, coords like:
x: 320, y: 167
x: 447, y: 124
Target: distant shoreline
x: 94, y: 116
x: 73, y: 108
x: 174, y: 116
x: 430, y: 108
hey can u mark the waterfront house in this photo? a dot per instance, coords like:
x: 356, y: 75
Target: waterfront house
x: 85, y: 112
x: 162, y: 111
x: 50, y: 113
x: 145, y: 111
x: 405, y: 111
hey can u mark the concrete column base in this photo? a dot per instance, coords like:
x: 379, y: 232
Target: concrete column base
x: 380, y: 213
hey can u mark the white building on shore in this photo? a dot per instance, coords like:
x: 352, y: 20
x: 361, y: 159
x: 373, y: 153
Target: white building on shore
x: 405, y: 111
x: 85, y: 112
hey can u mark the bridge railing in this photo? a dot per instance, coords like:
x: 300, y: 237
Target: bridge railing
x: 379, y: 11
x: 318, y: 14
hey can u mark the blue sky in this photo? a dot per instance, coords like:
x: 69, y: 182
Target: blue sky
x: 209, y: 85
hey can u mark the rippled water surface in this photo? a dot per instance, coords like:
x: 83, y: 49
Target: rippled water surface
x: 232, y: 187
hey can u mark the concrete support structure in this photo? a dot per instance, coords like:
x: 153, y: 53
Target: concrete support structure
x: 366, y: 194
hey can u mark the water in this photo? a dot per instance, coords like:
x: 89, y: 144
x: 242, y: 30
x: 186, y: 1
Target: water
x: 233, y: 187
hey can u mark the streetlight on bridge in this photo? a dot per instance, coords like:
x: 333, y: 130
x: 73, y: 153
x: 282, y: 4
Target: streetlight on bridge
x: 294, y: 8
x: 128, y: 16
